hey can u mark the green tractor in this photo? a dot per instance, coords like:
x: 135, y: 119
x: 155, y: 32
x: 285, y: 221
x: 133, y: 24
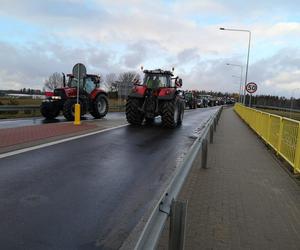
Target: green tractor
x: 190, y: 100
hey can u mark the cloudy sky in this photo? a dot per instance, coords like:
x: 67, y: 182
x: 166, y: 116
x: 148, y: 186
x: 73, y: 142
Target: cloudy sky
x: 38, y: 38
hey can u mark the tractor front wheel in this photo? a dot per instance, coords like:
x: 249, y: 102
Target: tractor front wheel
x: 49, y: 112
x: 134, y: 115
x: 69, y: 109
x: 100, y: 107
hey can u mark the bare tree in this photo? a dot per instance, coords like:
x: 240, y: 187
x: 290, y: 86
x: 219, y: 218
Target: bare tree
x: 110, y: 81
x: 125, y: 83
x: 127, y: 77
x: 54, y: 81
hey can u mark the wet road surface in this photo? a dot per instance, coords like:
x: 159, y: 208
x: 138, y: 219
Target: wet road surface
x: 91, y: 192
x: 21, y: 122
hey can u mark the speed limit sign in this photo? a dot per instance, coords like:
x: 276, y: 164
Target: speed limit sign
x: 251, y: 87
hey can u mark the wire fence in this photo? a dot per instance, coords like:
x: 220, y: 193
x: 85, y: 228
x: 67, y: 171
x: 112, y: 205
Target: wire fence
x: 282, y: 134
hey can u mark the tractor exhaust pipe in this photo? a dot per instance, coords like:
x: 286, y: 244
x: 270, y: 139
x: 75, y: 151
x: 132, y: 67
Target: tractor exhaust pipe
x: 64, y: 79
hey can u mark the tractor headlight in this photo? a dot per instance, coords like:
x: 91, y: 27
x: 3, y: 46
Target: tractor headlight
x: 56, y: 98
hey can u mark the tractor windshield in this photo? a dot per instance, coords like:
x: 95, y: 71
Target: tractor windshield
x: 155, y: 81
x: 72, y: 83
x: 89, y: 85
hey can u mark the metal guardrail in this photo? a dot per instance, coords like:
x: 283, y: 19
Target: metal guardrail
x: 18, y: 107
x: 151, y: 233
x: 282, y: 134
x: 37, y: 107
x: 277, y: 108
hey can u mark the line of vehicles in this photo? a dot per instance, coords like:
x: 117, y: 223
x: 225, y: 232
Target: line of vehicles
x: 156, y: 95
x: 194, y: 100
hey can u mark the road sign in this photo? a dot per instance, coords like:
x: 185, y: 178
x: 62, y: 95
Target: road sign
x: 79, y: 70
x: 251, y: 87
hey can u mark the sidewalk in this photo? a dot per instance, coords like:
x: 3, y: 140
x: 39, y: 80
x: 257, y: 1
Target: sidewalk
x: 27, y: 136
x: 245, y: 200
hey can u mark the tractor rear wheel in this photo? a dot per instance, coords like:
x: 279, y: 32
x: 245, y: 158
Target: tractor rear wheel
x: 100, y: 106
x: 171, y: 112
x: 134, y: 115
x: 180, y: 117
x: 69, y: 109
x: 47, y: 113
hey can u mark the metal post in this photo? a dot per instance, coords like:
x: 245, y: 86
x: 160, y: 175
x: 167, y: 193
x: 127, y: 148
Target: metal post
x: 78, y: 84
x: 204, y: 153
x: 211, y: 135
x: 215, y: 124
x: 177, y: 225
x: 241, y: 79
x: 240, y: 92
x: 247, y: 56
x: 250, y: 100
x: 247, y: 65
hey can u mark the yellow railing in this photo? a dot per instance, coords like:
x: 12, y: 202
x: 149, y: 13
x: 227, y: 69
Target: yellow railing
x: 282, y: 134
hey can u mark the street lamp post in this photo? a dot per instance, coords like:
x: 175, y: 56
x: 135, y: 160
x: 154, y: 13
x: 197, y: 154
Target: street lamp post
x: 239, y: 87
x: 244, y: 101
x: 241, y: 79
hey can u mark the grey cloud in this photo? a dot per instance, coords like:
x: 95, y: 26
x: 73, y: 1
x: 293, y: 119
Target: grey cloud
x: 215, y: 75
x: 29, y: 66
x: 188, y: 55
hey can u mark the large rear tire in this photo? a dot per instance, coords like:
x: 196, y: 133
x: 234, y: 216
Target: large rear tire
x: 134, y: 115
x: 180, y: 117
x: 170, y: 113
x: 47, y: 113
x: 100, y: 106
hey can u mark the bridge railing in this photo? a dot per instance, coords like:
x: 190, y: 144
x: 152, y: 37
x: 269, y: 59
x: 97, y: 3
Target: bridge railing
x: 282, y: 134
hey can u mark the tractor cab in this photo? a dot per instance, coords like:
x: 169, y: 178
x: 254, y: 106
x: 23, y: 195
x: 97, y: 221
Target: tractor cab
x: 155, y: 79
x: 88, y: 83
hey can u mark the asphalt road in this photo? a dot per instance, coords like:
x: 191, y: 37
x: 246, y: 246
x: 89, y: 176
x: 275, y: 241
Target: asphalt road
x: 91, y: 192
x: 21, y: 122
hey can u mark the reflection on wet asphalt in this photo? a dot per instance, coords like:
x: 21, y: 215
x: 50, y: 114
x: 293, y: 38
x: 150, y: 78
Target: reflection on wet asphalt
x: 91, y: 192
x: 40, y: 120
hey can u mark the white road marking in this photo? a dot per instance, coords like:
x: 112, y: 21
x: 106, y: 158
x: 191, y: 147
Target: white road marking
x: 20, y: 151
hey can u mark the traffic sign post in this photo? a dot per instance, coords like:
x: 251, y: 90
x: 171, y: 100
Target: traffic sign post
x: 79, y: 70
x: 251, y: 88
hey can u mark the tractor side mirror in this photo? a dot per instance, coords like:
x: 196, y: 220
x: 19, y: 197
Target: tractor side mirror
x: 179, y: 82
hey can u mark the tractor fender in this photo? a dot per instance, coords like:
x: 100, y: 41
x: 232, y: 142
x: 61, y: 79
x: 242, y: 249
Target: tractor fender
x: 166, y: 94
x: 138, y: 91
x: 97, y: 92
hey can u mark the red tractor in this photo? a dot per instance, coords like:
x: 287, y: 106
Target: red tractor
x: 92, y: 99
x: 156, y: 96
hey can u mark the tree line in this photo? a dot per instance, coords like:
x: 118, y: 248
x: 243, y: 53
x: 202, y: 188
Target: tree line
x: 275, y: 101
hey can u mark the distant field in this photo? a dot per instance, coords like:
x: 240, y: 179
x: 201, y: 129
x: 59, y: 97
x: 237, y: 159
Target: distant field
x: 20, y: 101
x: 291, y: 115
x: 115, y: 105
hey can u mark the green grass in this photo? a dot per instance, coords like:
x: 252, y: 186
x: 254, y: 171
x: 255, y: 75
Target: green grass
x: 291, y: 115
